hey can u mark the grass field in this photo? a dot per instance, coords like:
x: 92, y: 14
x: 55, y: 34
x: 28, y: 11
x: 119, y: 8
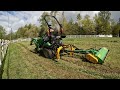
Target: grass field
x: 22, y: 63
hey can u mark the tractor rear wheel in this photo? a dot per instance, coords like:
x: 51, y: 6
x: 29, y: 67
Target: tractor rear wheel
x: 48, y: 53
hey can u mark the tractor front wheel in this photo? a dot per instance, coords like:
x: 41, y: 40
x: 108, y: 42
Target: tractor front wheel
x: 48, y: 53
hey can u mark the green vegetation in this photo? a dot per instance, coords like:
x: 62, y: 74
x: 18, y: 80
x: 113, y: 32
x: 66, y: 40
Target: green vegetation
x: 22, y: 63
x: 2, y: 32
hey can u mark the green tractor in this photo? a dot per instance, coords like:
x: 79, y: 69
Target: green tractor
x: 49, y: 42
x: 51, y: 46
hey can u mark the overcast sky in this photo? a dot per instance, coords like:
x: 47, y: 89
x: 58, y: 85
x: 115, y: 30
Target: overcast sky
x: 20, y: 18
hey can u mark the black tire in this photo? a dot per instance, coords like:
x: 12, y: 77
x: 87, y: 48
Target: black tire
x: 48, y: 53
x: 35, y: 50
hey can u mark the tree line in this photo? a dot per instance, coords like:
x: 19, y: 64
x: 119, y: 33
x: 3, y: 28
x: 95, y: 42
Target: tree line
x: 100, y: 24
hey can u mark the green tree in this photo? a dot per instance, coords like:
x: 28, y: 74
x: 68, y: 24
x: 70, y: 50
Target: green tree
x: 2, y: 32
x: 76, y: 30
x: 88, y: 26
x: 69, y: 29
x: 28, y: 31
x: 79, y: 18
x: 65, y: 24
x: 43, y: 24
x: 102, y: 22
x: 115, y: 28
x: 53, y: 13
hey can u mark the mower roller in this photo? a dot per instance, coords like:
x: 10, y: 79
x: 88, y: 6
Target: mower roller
x: 50, y: 44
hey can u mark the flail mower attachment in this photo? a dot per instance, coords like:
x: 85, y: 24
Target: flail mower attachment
x: 92, y: 55
x: 98, y: 57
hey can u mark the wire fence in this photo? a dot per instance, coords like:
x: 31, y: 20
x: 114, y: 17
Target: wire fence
x: 68, y: 36
x: 80, y: 36
x: 3, y: 49
x: 20, y: 40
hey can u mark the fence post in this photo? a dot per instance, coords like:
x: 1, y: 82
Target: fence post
x: 0, y: 61
x: 0, y: 56
x: 3, y: 50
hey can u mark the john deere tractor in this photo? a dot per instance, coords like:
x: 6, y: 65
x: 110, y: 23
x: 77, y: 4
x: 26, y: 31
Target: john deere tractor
x: 49, y: 42
x: 51, y: 45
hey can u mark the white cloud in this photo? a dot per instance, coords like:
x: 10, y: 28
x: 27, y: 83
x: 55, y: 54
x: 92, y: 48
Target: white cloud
x: 96, y: 11
x: 20, y: 18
